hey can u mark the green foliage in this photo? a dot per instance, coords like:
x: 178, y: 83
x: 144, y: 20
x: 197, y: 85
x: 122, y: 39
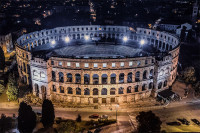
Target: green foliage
x: 48, y: 114
x: 189, y: 75
x: 5, y: 123
x: 67, y: 127
x: 2, y: 59
x: 2, y: 88
x: 12, y: 91
x: 148, y: 122
x: 26, y: 118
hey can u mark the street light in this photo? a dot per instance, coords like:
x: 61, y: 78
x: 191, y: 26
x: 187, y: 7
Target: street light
x: 86, y: 37
x: 117, y: 106
x: 125, y: 38
x: 67, y: 39
x: 53, y: 42
x: 142, y: 42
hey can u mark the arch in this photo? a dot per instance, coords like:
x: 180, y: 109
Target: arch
x: 61, y: 89
x: 121, y: 78
x: 43, y: 91
x: 95, y: 91
x: 95, y: 79
x: 37, y: 90
x: 137, y: 76
x: 104, y: 78
x: 121, y: 90
x: 129, y: 89
x: 78, y: 78
x: 69, y: 77
x: 78, y: 91
x: 151, y: 74
x: 136, y: 88
x: 113, y: 78
x: 61, y: 77
x: 69, y: 90
x: 86, y: 91
x: 54, y: 88
x: 165, y: 83
x: 160, y: 85
x: 104, y: 91
x: 151, y: 85
x: 144, y: 87
x: 112, y: 91
x: 86, y: 78
x: 145, y: 74
x: 129, y: 77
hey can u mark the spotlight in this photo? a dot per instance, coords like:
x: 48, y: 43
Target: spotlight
x: 67, y: 39
x: 86, y: 37
x: 142, y: 42
x: 125, y: 38
x: 53, y: 42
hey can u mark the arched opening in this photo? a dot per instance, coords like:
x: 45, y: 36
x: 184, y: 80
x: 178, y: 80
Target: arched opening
x: 37, y: 90
x: 43, y: 90
x: 151, y: 74
x: 129, y: 89
x: 151, y: 85
x: 86, y: 91
x: 61, y: 77
x: 144, y: 87
x: 86, y: 78
x: 129, y: 78
x: 167, y: 47
x: 78, y: 78
x: 69, y: 90
x: 78, y: 91
x: 104, y: 78
x: 95, y: 91
x: 145, y: 74
x: 112, y: 91
x: 136, y: 88
x: 53, y: 88
x: 121, y: 90
x: 165, y: 83
x: 104, y: 91
x: 137, y: 76
x: 160, y: 85
x: 95, y: 79
x: 69, y: 77
x: 113, y: 78
x: 61, y: 89
x: 121, y: 78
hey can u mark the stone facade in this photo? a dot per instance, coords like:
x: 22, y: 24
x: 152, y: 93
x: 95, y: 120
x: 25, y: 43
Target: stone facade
x: 98, y: 81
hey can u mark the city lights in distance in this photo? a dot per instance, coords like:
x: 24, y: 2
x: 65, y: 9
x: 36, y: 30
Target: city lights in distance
x: 142, y: 42
x: 125, y: 38
x: 67, y: 39
x: 86, y: 37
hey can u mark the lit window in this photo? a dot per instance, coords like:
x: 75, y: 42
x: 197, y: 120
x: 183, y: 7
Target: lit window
x: 113, y: 64
x: 122, y: 64
x: 130, y: 63
x: 104, y: 65
x: 95, y: 65
x: 86, y: 65
x: 60, y: 63
x: 77, y: 65
x: 68, y: 64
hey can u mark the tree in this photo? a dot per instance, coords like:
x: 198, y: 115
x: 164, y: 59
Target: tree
x: 148, y: 122
x: 189, y: 75
x: 2, y: 88
x: 5, y: 123
x: 12, y: 91
x: 48, y: 114
x: 2, y: 60
x: 26, y: 118
x: 78, y: 119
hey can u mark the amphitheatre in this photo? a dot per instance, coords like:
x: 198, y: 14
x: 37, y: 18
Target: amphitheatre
x: 97, y: 64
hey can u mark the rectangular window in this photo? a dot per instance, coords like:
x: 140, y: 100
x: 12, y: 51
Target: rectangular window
x: 130, y: 63
x: 95, y: 65
x: 122, y: 64
x: 113, y: 64
x: 104, y: 65
x: 52, y: 62
x: 60, y: 63
x: 86, y: 65
x: 68, y: 64
x: 77, y: 65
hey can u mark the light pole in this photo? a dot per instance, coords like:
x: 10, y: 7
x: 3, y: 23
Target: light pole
x: 117, y: 106
x: 142, y: 42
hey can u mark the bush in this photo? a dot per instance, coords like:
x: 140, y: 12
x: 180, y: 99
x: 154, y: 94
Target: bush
x: 2, y: 88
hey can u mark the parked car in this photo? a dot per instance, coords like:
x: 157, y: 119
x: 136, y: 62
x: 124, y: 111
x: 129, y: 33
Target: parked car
x: 184, y: 121
x: 196, y: 121
x: 174, y: 123
x: 94, y: 116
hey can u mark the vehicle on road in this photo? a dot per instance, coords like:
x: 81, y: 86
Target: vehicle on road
x: 94, y: 116
x: 196, y: 121
x: 184, y: 121
x: 174, y: 123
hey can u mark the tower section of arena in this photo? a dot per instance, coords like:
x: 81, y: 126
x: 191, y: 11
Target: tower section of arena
x: 97, y: 64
